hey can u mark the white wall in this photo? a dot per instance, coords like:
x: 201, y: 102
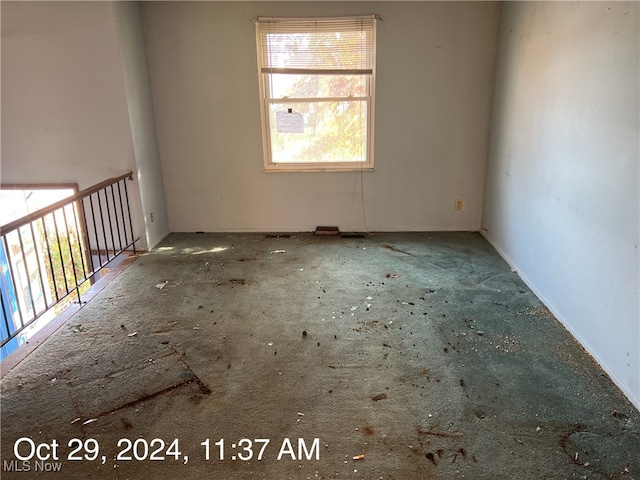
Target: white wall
x: 64, y: 107
x: 561, y: 197
x: 435, y: 71
x: 142, y: 119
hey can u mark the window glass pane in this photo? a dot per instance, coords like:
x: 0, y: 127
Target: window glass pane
x: 318, y: 86
x: 333, y: 132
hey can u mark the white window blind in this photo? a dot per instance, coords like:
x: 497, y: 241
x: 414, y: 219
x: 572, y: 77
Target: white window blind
x: 318, y: 49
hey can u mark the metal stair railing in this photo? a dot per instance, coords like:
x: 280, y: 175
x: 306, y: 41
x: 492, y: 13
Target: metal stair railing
x: 51, y: 256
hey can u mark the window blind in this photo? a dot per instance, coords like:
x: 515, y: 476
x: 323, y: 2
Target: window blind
x: 337, y: 45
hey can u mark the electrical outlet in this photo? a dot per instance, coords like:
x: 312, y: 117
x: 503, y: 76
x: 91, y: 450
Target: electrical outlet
x: 458, y: 204
x: 151, y: 216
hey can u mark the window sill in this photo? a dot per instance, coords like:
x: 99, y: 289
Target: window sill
x: 319, y: 167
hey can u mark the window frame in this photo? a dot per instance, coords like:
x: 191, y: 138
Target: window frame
x: 265, y: 74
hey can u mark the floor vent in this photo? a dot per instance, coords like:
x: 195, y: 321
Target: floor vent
x: 328, y: 231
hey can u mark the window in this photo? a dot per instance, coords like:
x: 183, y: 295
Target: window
x: 317, y: 85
